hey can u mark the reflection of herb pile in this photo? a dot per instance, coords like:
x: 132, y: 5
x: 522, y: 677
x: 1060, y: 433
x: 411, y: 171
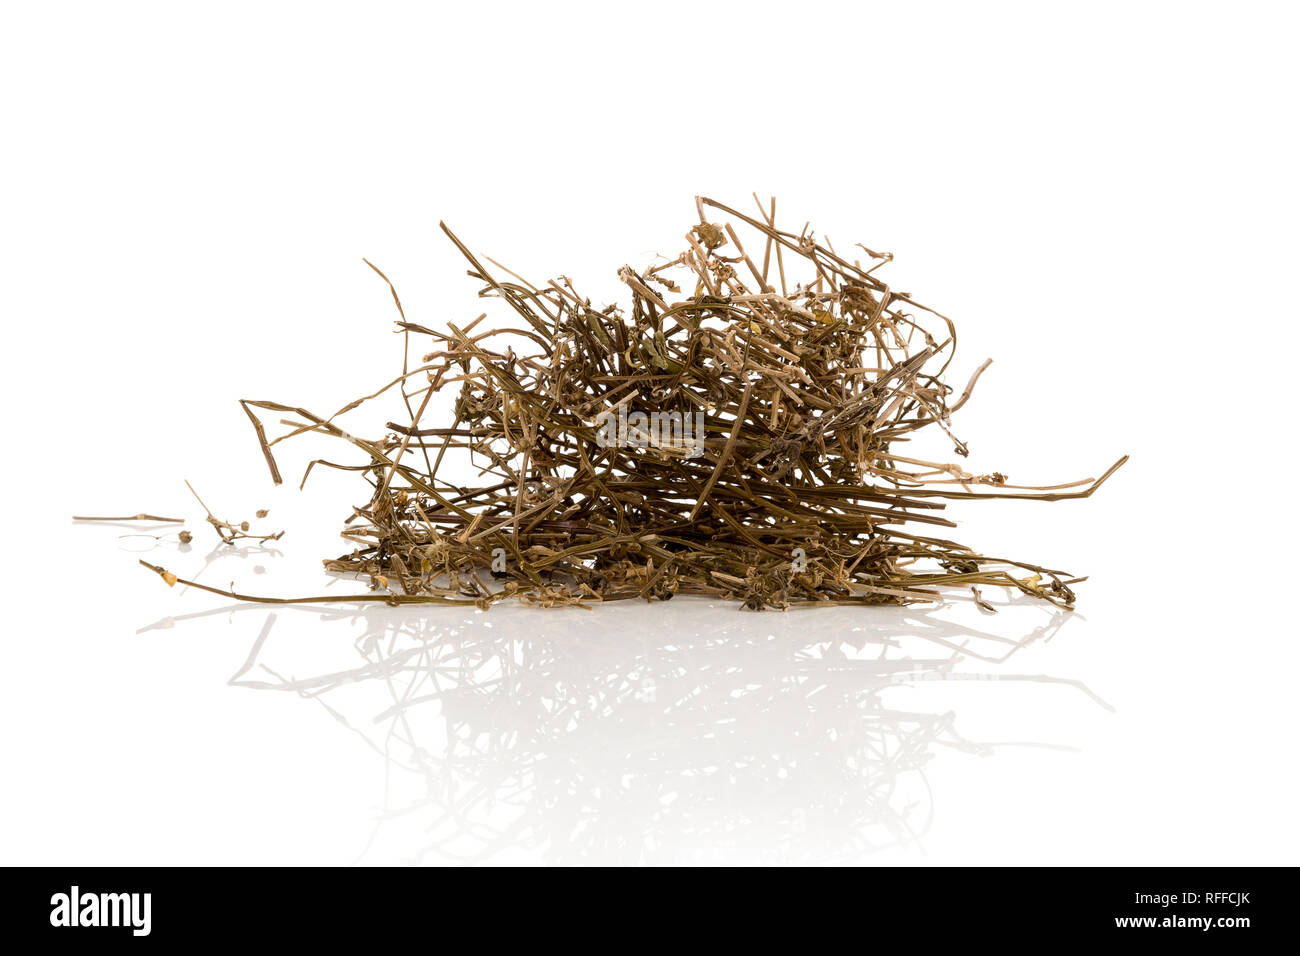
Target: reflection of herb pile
x: 807, y: 369
x: 667, y: 745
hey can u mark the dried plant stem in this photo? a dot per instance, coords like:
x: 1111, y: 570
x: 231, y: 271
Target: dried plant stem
x: 140, y: 517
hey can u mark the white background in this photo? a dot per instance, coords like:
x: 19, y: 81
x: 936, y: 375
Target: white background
x: 1102, y: 195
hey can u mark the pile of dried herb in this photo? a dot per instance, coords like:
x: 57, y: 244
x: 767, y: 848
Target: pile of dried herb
x: 731, y: 432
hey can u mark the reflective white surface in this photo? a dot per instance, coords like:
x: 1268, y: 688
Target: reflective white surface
x: 689, y: 733
x: 681, y: 732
